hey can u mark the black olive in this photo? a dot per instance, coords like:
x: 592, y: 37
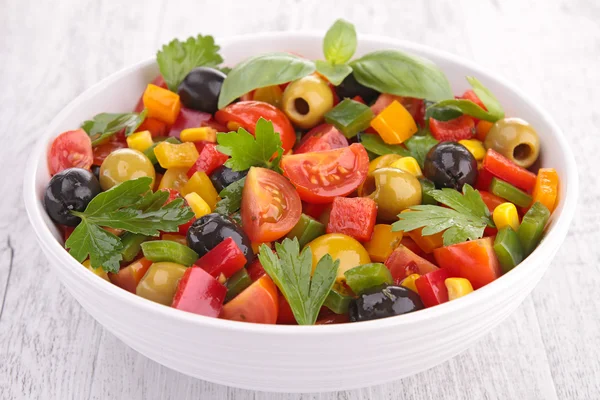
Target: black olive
x: 70, y: 190
x: 383, y: 302
x: 225, y: 176
x: 450, y: 165
x: 96, y: 171
x: 200, y: 89
x: 210, y: 230
x: 350, y: 88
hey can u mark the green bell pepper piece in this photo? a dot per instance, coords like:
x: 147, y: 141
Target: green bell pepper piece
x: 510, y: 193
x: 338, y: 300
x: 306, y: 230
x: 367, y: 276
x: 350, y: 117
x: 131, y: 245
x: 167, y: 250
x: 237, y: 283
x: 508, y: 248
x: 149, y: 152
x: 426, y: 187
x: 532, y: 227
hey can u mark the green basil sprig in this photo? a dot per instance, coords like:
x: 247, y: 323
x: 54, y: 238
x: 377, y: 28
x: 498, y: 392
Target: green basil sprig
x: 339, y: 45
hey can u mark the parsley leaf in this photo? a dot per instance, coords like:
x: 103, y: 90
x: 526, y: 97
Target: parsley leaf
x: 176, y: 59
x: 419, y: 146
x: 131, y: 206
x: 247, y: 151
x: 291, y: 272
x: 104, y: 125
x: 466, y: 220
x: 231, y: 198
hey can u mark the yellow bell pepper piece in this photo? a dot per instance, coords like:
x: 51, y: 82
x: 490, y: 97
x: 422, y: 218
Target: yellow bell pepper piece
x: 394, y: 124
x: 161, y: 104
x: 140, y: 141
x: 171, y: 155
x: 458, y: 287
x: 409, y: 282
x: 383, y: 242
x: 205, y: 133
x: 269, y: 94
x: 506, y: 215
x: 197, y: 204
x: 174, y: 238
x: 200, y: 183
x: 98, y: 271
x: 408, y: 164
x: 546, y: 188
x: 174, y: 178
x: 475, y: 147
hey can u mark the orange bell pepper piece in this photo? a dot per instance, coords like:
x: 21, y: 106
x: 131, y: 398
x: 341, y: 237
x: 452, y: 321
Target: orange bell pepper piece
x: 161, y: 104
x: 546, y: 188
x: 394, y: 124
x: 427, y: 243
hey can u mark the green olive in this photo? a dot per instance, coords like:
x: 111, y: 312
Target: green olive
x: 306, y: 101
x: 160, y: 282
x: 394, y: 191
x: 125, y: 164
x: 516, y: 140
x: 382, y: 161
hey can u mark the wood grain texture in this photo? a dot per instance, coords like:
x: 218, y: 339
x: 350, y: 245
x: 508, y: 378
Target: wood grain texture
x: 51, y: 51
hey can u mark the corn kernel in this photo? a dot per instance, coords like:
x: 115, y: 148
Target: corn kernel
x: 458, y: 287
x: 383, y: 242
x: 394, y: 124
x: 409, y: 282
x: 408, y: 164
x: 200, y: 183
x: 197, y: 204
x: 98, y: 271
x: 506, y: 215
x: 475, y: 147
x: 170, y: 155
x: 205, y: 133
x: 140, y: 141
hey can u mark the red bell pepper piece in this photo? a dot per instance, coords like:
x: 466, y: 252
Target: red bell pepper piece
x: 484, y: 180
x: 502, y: 168
x: 155, y: 126
x: 454, y: 130
x: 188, y: 118
x: 403, y: 262
x: 314, y: 210
x: 225, y: 258
x: 199, y: 293
x: 256, y: 270
x: 353, y: 216
x: 285, y: 315
x: 474, y: 260
x: 491, y: 200
x: 432, y: 287
x: 208, y: 160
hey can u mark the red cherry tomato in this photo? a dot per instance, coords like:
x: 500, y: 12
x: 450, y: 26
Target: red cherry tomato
x: 103, y: 150
x: 454, y: 130
x: 70, y: 149
x: 286, y: 315
x: 258, y: 303
x: 322, y: 137
x: 247, y: 113
x: 270, y: 205
x: 470, y: 95
x: 321, y: 176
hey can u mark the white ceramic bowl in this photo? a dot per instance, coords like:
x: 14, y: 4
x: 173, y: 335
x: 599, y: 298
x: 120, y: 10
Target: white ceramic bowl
x: 300, y: 358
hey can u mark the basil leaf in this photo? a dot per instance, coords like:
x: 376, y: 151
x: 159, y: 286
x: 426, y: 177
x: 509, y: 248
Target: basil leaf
x: 467, y: 107
x: 104, y: 125
x: 442, y: 113
x: 375, y: 144
x: 339, y: 43
x: 419, y: 146
x: 335, y: 73
x: 263, y: 70
x: 487, y: 98
x: 402, y: 74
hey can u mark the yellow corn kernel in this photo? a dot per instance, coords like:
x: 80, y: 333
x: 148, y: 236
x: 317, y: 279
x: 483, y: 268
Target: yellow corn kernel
x: 408, y: 164
x: 205, y: 133
x: 394, y: 124
x: 174, y: 238
x: 506, y: 215
x: 475, y: 147
x: 409, y: 282
x: 174, y: 178
x: 383, y: 242
x: 197, y: 204
x: 458, y: 287
x: 171, y: 155
x: 98, y: 271
x: 200, y: 183
x: 140, y: 141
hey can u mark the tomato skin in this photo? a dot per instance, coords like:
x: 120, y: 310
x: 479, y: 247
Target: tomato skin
x: 103, y: 150
x: 256, y: 270
x: 432, y: 288
x: 247, y: 113
x: 314, y: 210
x: 129, y: 277
x: 454, y: 130
x: 474, y: 260
x: 285, y: 315
x: 258, y: 303
x: 403, y: 262
x: 70, y: 149
x: 320, y: 138
x: 354, y: 217
x: 337, y: 173
x: 266, y: 192
x: 208, y: 160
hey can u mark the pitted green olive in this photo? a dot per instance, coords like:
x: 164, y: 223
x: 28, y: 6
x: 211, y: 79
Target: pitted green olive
x: 380, y: 162
x: 306, y: 101
x: 394, y: 191
x: 516, y: 140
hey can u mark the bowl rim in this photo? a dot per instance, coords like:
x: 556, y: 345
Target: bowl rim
x: 551, y: 242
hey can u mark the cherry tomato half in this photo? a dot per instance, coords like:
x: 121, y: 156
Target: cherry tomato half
x: 322, y: 137
x: 247, y: 113
x: 70, y: 149
x: 103, y: 150
x: 270, y: 205
x: 258, y: 303
x: 321, y: 176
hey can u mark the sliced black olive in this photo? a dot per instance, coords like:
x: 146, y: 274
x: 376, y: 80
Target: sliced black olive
x: 210, y: 230
x: 225, y: 176
x: 450, y: 165
x: 383, y: 302
x: 201, y: 88
x: 70, y: 190
x: 350, y: 88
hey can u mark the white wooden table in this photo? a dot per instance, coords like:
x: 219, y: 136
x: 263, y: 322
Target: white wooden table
x: 51, y: 51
